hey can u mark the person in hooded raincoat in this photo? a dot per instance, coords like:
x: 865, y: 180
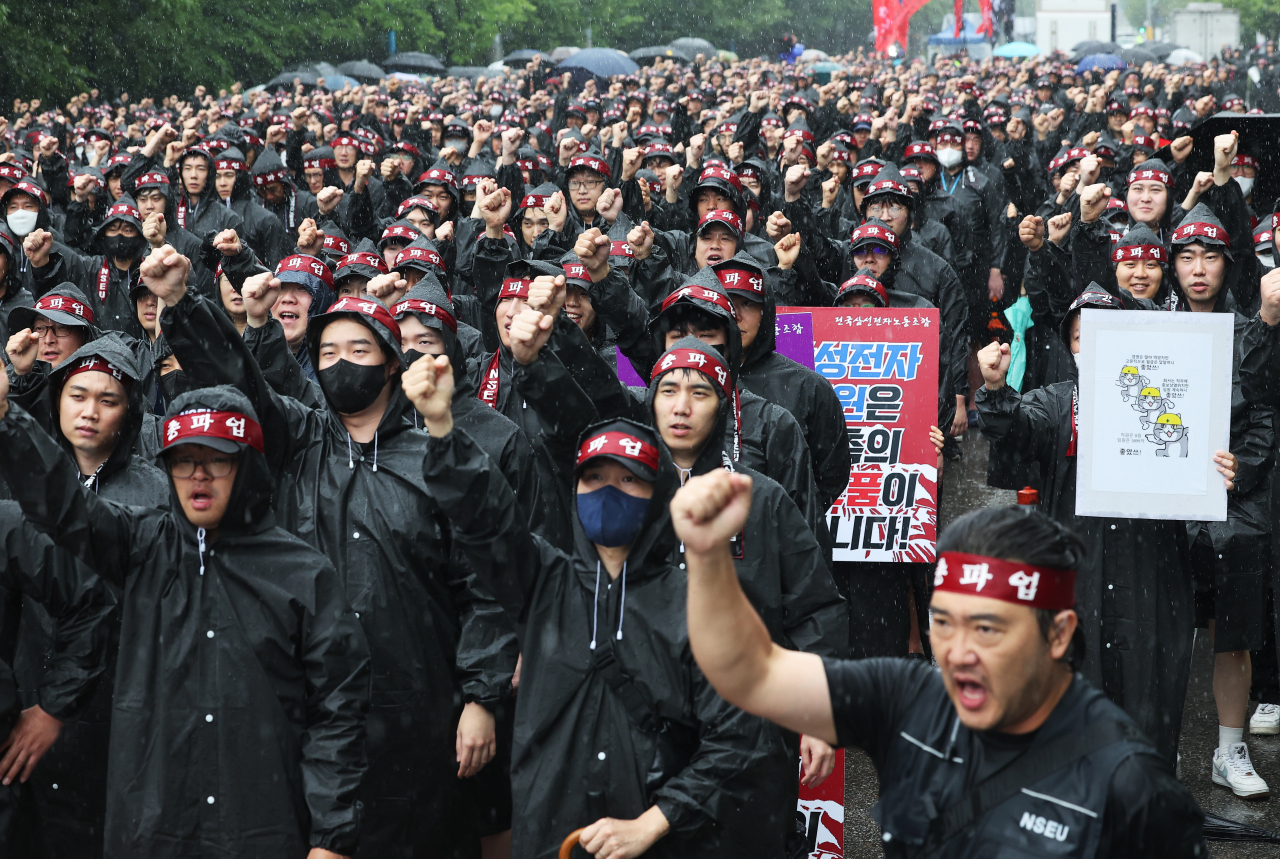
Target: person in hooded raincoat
x: 259, y: 612
x: 95, y: 403
x: 347, y: 475
x: 197, y: 208
x: 106, y: 278
x: 275, y: 189
x: 34, y: 572
x: 1134, y: 588
x: 263, y: 231
x: 13, y: 292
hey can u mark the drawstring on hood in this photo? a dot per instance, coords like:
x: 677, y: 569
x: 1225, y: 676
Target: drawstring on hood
x: 595, y: 608
x: 200, y: 542
x: 622, y: 605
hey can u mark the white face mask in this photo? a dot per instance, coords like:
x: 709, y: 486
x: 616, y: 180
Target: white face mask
x: 1246, y: 184
x: 950, y: 157
x: 1269, y: 260
x: 22, y: 222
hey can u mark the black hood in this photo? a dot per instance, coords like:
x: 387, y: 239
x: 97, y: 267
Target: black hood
x: 713, y: 454
x: 24, y: 317
x: 249, y: 508
x: 766, y: 337
x: 111, y: 348
x: 430, y: 290
x: 240, y: 190
x: 1201, y: 226
x: 1140, y: 235
x: 1154, y: 165
x: 1096, y: 297
x: 694, y: 293
x: 653, y: 546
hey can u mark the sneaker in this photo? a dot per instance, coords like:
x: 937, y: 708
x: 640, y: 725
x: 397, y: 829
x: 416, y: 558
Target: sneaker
x: 1266, y: 719
x: 1234, y: 770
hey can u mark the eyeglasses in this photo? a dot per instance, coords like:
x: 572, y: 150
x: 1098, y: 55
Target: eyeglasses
x: 893, y: 210
x: 878, y: 250
x: 62, y: 332
x: 583, y: 184
x: 217, y: 466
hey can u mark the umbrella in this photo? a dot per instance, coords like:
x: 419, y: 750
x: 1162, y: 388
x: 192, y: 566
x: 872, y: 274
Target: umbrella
x: 822, y: 71
x: 601, y: 62
x: 362, y: 69
x: 1221, y: 829
x: 335, y: 82
x: 1160, y: 49
x: 405, y: 76
x: 1137, y: 56
x: 1105, y: 62
x: 564, y: 52
x: 324, y: 70
x: 660, y: 51
x: 726, y: 56
x: 1016, y: 49
x: 1183, y: 57
x: 523, y: 55
x: 693, y: 46
x: 472, y: 72
x: 1083, y: 49
x: 285, y: 79
x: 1259, y: 137
x: 813, y: 55
x: 412, y: 61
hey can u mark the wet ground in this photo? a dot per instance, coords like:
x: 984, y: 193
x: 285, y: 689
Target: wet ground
x: 964, y: 489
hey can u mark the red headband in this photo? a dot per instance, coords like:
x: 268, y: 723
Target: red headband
x: 415, y: 203
x: 1142, y: 174
x: 993, y: 578
x: 444, y: 177
x: 267, y: 178
x: 208, y: 423
x: 590, y: 163
x: 101, y: 365
x: 337, y: 243
x: 862, y: 280
x: 303, y: 263
x: 154, y: 178
x: 576, y: 271
x: 621, y: 249
x: 870, y: 169
x: 694, y: 359
x: 412, y: 253
x: 702, y: 294
x: 414, y: 305
x: 230, y: 164
x: 124, y: 209
x: 1243, y: 160
x: 871, y: 232
x: 720, y: 173
x: 372, y: 309
x: 722, y: 216
x: 534, y: 201
x: 619, y: 444
x: 917, y: 150
x: 364, y: 258
x: 515, y: 287
x: 1139, y: 252
x: 1186, y: 232
x: 32, y: 189
x: 741, y: 280
x: 65, y: 305
x: 401, y: 232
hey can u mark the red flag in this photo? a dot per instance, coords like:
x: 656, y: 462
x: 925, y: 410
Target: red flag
x: 959, y: 17
x: 987, y: 27
x: 884, y: 15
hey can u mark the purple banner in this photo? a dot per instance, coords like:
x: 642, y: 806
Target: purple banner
x: 794, y: 334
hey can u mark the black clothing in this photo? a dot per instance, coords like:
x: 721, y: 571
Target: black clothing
x: 1120, y: 801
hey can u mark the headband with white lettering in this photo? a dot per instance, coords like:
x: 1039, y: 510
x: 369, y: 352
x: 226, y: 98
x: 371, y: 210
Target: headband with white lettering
x: 1007, y: 581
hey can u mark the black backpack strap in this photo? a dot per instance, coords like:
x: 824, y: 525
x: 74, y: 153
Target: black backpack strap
x: 1028, y: 769
x: 639, y: 704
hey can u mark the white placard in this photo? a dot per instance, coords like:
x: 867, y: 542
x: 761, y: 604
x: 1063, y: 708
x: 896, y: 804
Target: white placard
x: 1155, y: 404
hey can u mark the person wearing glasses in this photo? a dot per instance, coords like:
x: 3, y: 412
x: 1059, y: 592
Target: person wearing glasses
x: 238, y: 718
x: 586, y: 180
x: 95, y: 404
x: 48, y: 333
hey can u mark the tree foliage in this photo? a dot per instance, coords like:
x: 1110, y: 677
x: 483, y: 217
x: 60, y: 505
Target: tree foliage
x: 57, y: 48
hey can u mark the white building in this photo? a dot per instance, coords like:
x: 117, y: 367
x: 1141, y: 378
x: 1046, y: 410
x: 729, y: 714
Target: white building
x: 1060, y: 24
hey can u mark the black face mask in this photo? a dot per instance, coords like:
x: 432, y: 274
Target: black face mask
x: 173, y: 385
x: 412, y: 355
x: 352, y: 388
x: 124, y: 247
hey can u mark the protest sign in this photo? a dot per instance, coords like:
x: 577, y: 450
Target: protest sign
x: 1154, y: 405
x: 883, y: 365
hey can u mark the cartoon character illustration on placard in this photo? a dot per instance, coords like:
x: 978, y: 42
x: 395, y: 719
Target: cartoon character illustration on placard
x: 1168, y: 430
x: 1131, y: 383
x: 1150, y: 406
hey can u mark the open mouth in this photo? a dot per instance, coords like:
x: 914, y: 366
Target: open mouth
x: 51, y: 356
x: 288, y: 316
x: 971, y: 694
x: 572, y: 315
x: 679, y: 430
x: 201, y: 499
x: 715, y: 256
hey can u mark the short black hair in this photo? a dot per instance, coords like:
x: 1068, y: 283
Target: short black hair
x: 1021, y: 534
x: 685, y: 318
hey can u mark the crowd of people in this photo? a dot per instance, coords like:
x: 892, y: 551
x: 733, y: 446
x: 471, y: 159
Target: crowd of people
x: 331, y: 529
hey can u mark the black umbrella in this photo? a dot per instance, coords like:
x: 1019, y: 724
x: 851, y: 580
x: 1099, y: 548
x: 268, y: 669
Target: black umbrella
x: 523, y: 55
x: 1137, y: 56
x: 412, y: 61
x: 363, y: 70
x: 471, y: 72
x: 285, y: 79
x: 1092, y: 46
x: 660, y: 51
x: 693, y: 46
x: 1160, y: 49
x: 601, y: 62
x: 1259, y: 137
x: 1220, y: 829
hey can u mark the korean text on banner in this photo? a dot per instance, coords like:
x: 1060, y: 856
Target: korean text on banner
x: 883, y: 365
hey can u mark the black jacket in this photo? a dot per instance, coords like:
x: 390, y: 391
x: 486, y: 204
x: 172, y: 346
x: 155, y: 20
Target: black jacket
x: 246, y: 665
x: 367, y: 507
